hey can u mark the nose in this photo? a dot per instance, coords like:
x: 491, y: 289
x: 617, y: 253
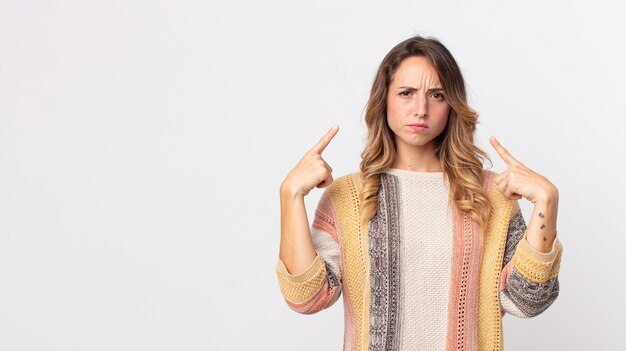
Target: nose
x: 420, y: 105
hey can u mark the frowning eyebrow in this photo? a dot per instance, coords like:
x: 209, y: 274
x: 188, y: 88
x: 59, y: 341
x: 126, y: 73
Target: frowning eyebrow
x: 415, y: 89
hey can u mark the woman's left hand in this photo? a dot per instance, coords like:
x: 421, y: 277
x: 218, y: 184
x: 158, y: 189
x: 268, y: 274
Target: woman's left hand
x: 520, y: 181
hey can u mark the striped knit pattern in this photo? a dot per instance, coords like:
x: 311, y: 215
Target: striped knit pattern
x: 420, y: 241
x: 491, y: 274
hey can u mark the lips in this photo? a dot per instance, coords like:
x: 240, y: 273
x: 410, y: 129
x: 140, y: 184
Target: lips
x: 418, y: 127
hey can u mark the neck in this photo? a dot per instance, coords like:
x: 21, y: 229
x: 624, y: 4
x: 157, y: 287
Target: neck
x: 417, y: 158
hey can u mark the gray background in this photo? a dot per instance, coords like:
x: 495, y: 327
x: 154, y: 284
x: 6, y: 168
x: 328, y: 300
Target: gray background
x: 142, y: 144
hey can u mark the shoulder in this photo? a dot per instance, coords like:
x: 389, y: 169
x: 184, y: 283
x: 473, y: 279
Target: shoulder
x: 488, y: 175
x: 488, y: 171
x: 488, y: 184
x: 345, y: 180
x: 345, y: 185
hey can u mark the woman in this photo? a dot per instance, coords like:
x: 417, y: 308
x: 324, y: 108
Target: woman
x: 429, y: 249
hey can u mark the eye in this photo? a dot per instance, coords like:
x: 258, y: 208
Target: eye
x: 438, y: 96
x: 405, y: 93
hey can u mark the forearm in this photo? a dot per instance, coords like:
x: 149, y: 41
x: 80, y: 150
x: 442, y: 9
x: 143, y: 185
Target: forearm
x: 529, y: 281
x: 296, y: 247
x: 541, y: 231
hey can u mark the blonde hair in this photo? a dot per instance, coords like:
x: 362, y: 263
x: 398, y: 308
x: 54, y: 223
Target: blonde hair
x: 461, y: 160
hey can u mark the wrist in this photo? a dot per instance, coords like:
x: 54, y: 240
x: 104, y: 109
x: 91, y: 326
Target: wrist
x: 549, y: 197
x: 287, y: 190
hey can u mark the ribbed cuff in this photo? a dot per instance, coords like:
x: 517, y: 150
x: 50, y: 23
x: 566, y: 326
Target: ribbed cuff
x: 312, y: 271
x: 535, y: 265
x: 532, y: 253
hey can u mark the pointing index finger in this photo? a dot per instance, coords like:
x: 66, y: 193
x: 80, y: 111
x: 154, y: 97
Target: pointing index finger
x: 504, y: 154
x: 325, y: 140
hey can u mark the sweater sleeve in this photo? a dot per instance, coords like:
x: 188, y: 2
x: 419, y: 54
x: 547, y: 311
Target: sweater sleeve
x: 529, y: 281
x: 319, y: 286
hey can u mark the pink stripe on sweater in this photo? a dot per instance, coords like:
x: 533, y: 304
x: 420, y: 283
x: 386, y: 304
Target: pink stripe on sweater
x: 315, y: 303
x: 326, y: 220
x: 467, y: 249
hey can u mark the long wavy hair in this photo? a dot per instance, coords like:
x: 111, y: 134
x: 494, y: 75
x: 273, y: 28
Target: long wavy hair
x: 461, y: 160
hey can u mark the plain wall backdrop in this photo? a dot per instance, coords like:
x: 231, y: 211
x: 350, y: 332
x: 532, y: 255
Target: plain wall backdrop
x: 142, y: 145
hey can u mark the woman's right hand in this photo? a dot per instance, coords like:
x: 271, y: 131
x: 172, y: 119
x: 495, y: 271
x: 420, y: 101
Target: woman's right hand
x: 311, y: 171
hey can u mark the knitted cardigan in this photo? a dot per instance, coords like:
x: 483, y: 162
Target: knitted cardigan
x: 492, y: 274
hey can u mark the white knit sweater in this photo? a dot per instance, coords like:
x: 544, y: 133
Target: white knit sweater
x: 426, y: 248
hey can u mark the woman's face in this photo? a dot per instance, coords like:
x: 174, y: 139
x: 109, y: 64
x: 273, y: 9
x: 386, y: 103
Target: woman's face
x: 416, y: 96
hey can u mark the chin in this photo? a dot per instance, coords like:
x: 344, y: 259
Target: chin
x: 418, y: 143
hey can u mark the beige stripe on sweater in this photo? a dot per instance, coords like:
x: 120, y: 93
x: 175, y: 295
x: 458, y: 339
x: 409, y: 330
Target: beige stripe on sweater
x: 425, y: 259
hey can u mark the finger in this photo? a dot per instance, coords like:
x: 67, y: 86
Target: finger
x: 326, y: 182
x: 504, y: 153
x: 513, y: 196
x: 504, y: 176
x: 325, y: 140
x: 503, y: 186
x: 327, y: 166
x: 502, y: 183
x: 505, y: 191
x: 510, y: 192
